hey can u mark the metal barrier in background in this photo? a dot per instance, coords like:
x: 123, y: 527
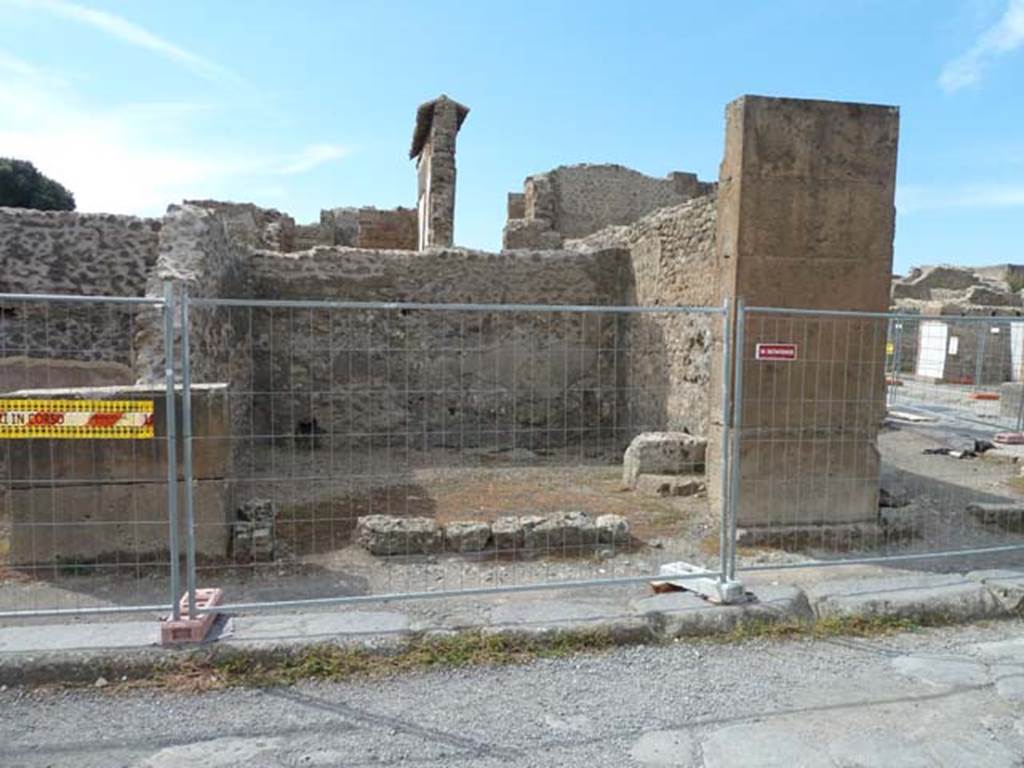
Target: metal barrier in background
x: 88, y: 492
x: 412, y: 450
x: 317, y: 452
x: 868, y: 437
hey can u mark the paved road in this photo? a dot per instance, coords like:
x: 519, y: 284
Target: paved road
x: 940, y: 698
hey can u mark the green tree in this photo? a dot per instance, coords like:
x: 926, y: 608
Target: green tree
x: 22, y: 186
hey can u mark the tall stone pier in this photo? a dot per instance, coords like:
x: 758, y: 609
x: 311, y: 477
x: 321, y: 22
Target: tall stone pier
x: 433, y: 147
x: 806, y: 220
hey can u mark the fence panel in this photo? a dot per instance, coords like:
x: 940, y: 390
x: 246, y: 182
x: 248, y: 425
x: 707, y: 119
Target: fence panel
x: 85, y: 459
x: 865, y: 436
x: 407, y: 449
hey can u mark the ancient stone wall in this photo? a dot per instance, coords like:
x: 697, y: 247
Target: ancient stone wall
x: 250, y: 224
x: 670, y: 256
x: 197, y: 253
x: 425, y: 378
x: 368, y: 228
x: 578, y: 200
x: 71, y: 253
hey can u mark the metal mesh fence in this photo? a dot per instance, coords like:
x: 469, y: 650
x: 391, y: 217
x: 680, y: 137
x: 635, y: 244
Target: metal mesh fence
x: 382, y: 449
x: 333, y: 451
x: 875, y: 436
x: 84, y: 522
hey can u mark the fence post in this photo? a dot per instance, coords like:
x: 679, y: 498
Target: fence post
x: 172, y: 451
x: 979, y: 354
x: 897, y: 362
x: 723, y: 543
x: 186, y: 427
x: 737, y: 422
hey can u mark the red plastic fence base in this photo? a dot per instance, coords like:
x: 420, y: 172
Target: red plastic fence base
x: 192, y: 630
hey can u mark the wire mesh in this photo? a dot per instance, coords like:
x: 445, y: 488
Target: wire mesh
x: 84, y: 523
x: 397, y: 449
x: 867, y: 436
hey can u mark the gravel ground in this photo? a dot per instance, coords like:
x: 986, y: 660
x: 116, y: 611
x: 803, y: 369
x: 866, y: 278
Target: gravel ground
x: 951, y: 697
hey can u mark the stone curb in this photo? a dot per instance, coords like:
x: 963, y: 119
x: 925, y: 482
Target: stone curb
x: 659, y: 618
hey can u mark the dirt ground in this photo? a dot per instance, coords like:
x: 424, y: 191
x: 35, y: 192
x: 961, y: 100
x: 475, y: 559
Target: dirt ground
x: 319, y: 500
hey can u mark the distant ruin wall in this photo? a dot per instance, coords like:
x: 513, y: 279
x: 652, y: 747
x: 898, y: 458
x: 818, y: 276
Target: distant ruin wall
x: 578, y: 200
x: 252, y: 225
x: 428, y: 378
x: 72, y: 253
x: 394, y: 229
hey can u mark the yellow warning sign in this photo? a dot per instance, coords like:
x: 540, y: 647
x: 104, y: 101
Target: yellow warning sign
x: 889, y: 348
x: 76, y: 419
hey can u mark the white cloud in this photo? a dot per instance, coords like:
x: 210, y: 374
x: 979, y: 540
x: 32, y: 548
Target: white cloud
x: 133, y: 158
x: 913, y: 198
x: 1004, y: 36
x: 313, y: 156
x: 120, y: 28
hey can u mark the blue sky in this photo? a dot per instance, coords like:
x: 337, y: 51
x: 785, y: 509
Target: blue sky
x: 310, y: 104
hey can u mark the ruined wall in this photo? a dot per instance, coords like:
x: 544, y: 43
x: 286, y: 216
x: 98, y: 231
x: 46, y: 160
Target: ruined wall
x: 252, y: 225
x: 197, y: 253
x: 671, y: 260
x: 72, y: 253
x: 393, y: 229
x: 578, y: 200
x: 423, y: 378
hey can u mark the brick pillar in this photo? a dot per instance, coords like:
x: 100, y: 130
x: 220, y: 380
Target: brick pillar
x: 806, y: 220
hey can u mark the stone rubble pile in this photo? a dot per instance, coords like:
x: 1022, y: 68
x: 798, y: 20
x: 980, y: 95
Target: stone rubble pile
x: 253, y: 535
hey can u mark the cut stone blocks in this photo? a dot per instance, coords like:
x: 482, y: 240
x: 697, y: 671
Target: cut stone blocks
x: 806, y: 220
x: 686, y: 614
x: 510, y: 532
x: 562, y: 533
x: 78, y: 501
x: 915, y: 596
x: 1004, y: 515
x: 662, y: 453
x: 254, y: 535
x: 670, y: 485
x: 89, y: 461
x: 1007, y: 586
x: 613, y: 529
x: 83, y: 524
x: 389, y: 535
x: 468, y: 536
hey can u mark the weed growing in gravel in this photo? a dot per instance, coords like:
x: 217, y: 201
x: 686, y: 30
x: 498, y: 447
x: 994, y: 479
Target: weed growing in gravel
x: 832, y: 626
x: 334, y: 663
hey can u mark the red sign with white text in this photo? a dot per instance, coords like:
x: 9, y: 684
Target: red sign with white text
x: 775, y: 352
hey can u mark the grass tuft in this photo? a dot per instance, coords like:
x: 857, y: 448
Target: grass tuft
x: 335, y: 663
